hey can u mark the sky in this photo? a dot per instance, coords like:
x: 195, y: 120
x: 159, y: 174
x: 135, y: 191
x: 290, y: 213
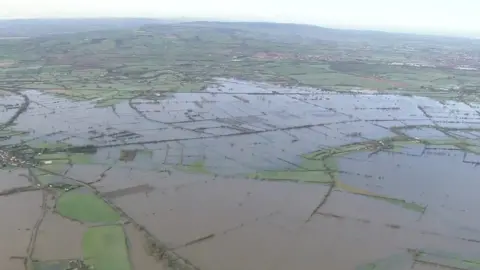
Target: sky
x: 459, y: 17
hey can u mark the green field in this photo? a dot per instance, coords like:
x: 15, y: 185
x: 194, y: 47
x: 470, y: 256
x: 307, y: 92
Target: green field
x: 112, y: 65
x: 86, y: 207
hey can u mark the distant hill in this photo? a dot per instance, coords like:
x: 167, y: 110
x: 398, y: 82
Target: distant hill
x: 40, y: 27
x: 286, y: 32
x: 318, y: 32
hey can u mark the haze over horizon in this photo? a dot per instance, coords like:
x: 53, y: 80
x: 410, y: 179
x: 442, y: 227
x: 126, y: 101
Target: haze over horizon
x: 427, y: 16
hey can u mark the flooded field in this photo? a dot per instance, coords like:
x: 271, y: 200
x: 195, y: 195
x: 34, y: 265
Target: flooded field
x: 239, y: 176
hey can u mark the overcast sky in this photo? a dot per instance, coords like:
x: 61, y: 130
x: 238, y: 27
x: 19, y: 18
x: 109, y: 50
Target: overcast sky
x: 459, y: 17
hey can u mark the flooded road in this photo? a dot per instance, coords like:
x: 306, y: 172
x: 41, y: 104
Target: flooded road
x: 240, y: 176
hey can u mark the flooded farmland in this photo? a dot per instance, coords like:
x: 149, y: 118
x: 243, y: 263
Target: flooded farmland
x: 239, y: 176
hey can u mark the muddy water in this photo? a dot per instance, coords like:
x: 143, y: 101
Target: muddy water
x: 441, y: 179
x: 19, y: 215
x: 179, y: 169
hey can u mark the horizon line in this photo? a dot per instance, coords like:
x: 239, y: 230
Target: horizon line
x: 213, y: 19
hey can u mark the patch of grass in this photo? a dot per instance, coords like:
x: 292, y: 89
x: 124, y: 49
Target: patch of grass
x: 54, y: 161
x: 47, y: 145
x: 80, y: 158
x: 448, y: 260
x: 59, y: 168
x: 46, y: 179
x: 473, y: 149
x: 108, y: 102
x: 51, y: 265
x: 398, y: 261
x: 345, y: 149
x: 105, y: 248
x: 397, y: 146
x: 86, y: 207
x: 351, y: 189
x: 7, y: 133
x: 402, y: 203
x: 52, y: 156
x: 196, y: 167
x: 317, y: 167
x: 296, y: 176
x: 62, y: 157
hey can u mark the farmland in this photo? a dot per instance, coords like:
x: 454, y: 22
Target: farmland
x: 110, y: 66
x: 144, y: 144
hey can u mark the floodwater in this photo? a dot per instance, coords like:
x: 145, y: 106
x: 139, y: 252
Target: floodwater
x: 242, y: 176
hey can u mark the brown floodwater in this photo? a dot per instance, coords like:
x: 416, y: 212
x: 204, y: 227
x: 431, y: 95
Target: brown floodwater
x: 19, y: 216
x: 183, y: 172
